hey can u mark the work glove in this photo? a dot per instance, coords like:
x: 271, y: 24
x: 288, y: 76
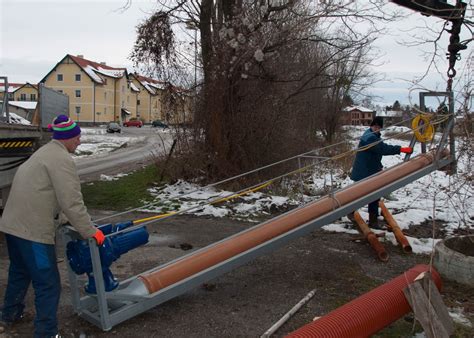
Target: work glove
x: 406, y: 150
x: 99, y: 237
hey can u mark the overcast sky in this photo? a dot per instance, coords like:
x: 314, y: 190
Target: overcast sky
x: 36, y: 34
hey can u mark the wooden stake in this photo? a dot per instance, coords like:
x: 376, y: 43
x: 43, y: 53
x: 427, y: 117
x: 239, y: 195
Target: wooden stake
x: 428, y: 307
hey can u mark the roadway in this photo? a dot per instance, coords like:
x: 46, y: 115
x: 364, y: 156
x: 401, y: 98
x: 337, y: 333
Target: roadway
x: 130, y: 157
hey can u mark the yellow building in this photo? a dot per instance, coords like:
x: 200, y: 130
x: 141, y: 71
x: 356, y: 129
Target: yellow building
x: 12, y: 87
x: 162, y: 101
x: 149, y: 101
x: 97, y: 93
x: 180, y: 112
x: 27, y: 92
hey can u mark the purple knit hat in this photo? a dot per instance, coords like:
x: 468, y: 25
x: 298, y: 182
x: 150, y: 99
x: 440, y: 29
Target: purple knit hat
x: 64, y: 128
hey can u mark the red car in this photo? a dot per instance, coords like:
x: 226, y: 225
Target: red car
x: 133, y: 123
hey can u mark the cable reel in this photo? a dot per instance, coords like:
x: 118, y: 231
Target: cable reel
x: 424, y: 132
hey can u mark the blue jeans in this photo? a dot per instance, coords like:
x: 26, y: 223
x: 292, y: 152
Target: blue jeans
x: 36, y: 263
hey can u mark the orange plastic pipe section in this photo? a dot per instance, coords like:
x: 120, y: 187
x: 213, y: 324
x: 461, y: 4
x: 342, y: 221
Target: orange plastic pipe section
x: 371, y: 238
x: 401, y: 239
x: 215, y: 254
x: 371, y: 312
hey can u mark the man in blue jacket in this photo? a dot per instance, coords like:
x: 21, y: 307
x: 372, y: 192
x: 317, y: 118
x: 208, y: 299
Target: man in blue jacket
x: 369, y: 161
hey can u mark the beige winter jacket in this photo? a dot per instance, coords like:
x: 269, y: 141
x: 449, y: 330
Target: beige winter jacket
x: 46, y: 184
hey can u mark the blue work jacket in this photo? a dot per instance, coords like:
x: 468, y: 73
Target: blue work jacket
x: 369, y: 161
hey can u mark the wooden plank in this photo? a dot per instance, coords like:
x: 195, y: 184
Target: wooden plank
x: 424, y: 311
x: 437, y: 302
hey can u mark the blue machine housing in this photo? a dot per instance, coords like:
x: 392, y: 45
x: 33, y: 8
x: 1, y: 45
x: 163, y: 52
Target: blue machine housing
x: 115, y: 245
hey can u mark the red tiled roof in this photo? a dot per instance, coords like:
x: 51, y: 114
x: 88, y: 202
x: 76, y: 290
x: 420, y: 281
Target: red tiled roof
x: 148, y: 79
x: 96, y: 70
x: 84, y: 62
x: 151, y: 85
x: 12, y: 84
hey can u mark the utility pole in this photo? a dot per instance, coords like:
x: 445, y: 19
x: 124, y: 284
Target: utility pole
x: 192, y: 26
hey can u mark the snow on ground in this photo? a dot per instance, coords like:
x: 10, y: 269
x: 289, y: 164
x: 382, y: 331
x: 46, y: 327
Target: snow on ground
x: 17, y: 119
x: 457, y: 314
x: 447, y: 199
x: 205, y: 201
x: 111, y: 178
x: 96, y: 142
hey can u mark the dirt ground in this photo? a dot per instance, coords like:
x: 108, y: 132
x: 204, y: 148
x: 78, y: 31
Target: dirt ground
x: 250, y: 299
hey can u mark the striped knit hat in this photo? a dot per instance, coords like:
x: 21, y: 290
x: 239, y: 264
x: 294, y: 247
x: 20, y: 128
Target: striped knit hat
x: 64, y: 128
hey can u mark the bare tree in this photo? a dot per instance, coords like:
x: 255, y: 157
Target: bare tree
x: 273, y: 71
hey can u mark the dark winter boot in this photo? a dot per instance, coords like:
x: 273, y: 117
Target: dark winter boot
x: 374, y: 221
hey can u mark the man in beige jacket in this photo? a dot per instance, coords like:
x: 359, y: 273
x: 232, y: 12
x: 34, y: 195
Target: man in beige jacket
x: 43, y: 187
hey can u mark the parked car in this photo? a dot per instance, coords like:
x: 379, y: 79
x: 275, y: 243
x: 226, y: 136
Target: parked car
x: 133, y: 123
x: 113, y: 127
x: 159, y: 124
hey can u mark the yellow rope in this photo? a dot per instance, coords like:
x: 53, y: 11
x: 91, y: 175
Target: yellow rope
x: 242, y: 193
x: 427, y: 136
x: 213, y: 202
x: 152, y: 218
x: 428, y: 133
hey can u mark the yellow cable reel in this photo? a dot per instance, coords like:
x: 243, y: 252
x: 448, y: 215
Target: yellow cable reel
x: 426, y: 127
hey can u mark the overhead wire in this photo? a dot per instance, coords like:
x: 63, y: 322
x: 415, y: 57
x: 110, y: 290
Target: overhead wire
x: 234, y: 177
x: 266, y: 183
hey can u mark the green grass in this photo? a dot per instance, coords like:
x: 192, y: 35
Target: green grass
x: 125, y: 193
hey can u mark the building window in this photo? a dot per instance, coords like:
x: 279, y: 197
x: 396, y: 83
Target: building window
x: 22, y: 97
x: 78, y: 110
x: 60, y: 90
x: 10, y: 96
x: 78, y: 93
x: 105, y: 95
x: 78, y: 77
x: 60, y: 77
x: 32, y: 97
x: 138, y: 102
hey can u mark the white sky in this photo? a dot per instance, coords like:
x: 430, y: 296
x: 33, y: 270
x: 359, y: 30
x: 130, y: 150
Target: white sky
x: 36, y: 34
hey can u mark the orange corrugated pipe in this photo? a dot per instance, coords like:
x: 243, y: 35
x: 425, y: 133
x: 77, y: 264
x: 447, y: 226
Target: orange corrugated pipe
x: 218, y: 253
x: 371, y: 238
x: 371, y: 312
x: 401, y: 239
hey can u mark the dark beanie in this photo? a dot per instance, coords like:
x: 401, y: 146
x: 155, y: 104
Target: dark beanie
x: 377, y: 121
x: 64, y: 128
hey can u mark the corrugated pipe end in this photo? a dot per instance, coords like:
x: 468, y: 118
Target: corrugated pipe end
x: 371, y: 312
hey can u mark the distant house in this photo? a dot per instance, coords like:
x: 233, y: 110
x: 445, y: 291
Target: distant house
x: 180, y: 111
x: 97, y: 93
x: 357, y: 116
x: 149, y: 98
x: 160, y: 100
x: 391, y: 117
x: 12, y: 87
x: 26, y: 92
x: 22, y: 98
